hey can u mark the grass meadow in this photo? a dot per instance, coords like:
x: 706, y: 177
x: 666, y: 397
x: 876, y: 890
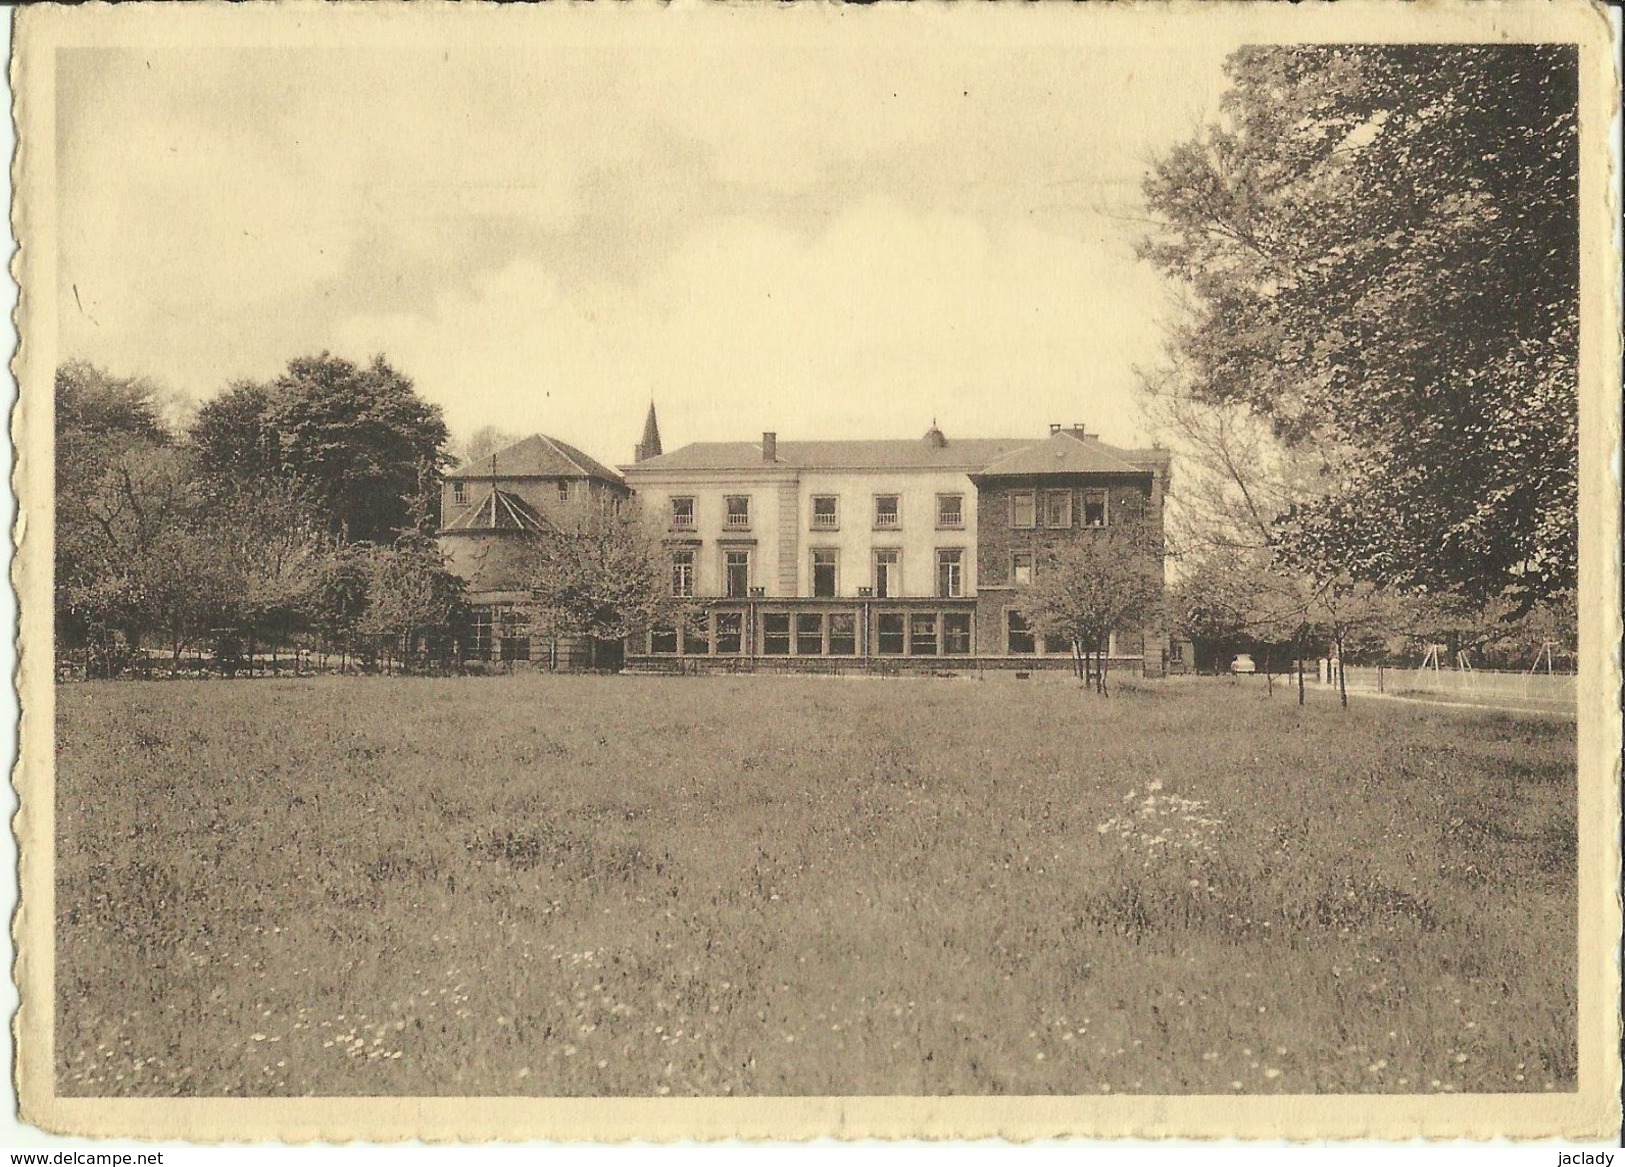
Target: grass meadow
x: 546, y: 885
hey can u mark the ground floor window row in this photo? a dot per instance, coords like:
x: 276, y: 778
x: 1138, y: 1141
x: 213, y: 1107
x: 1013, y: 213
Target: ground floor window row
x: 726, y: 633
x: 927, y: 633
x: 1020, y: 640
x: 504, y: 635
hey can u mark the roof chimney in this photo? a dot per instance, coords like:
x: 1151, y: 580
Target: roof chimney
x: 770, y: 446
x: 1054, y: 428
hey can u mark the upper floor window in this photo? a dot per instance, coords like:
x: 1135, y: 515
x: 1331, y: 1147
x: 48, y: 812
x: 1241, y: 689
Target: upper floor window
x: 682, y: 573
x: 825, y: 512
x: 1057, y: 508
x: 682, y: 514
x: 738, y: 511
x: 736, y: 574
x: 564, y: 490
x: 1094, y: 508
x: 888, y: 514
x: 950, y: 572
x: 823, y: 572
x: 950, y: 510
x: 888, y: 573
x: 1021, y: 567
x: 459, y: 492
x: 1023, y: 509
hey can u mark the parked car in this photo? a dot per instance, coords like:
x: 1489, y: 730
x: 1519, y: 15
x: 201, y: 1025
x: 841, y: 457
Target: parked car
x: 1243, y: 664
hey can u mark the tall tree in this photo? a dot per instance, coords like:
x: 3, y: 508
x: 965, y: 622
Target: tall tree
x: 1380, y: 247
x: 118, y: 483
x: 361, y: 439
x: 357, y: 441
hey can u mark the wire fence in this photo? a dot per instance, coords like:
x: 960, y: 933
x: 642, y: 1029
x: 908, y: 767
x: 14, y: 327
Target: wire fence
x: 1477, y: 686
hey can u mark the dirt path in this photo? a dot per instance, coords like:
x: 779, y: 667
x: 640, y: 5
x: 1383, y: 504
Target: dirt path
x: 1504, y: 705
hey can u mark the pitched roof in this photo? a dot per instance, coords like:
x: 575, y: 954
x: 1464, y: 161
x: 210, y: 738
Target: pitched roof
x: 537, y: 456
x: 1062, y: 453
x: 903, y: 454
x: 1065, y: 453
x: 498, y: 510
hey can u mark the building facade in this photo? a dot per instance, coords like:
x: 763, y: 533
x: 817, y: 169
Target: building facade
x: 489, y: 508
x: 909, y: 554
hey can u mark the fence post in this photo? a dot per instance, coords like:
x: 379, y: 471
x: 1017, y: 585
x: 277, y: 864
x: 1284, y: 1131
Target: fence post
x: 1380, y: 688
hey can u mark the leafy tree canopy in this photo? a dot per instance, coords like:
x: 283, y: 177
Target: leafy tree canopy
x: 358, y: 442
x: 231, y: 435
x: 1084, y: 589
x: 1380, y: 247
x: 91, y: 403
x: 604, y: 575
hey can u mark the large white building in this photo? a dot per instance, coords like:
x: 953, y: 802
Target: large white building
x: 901, y: 550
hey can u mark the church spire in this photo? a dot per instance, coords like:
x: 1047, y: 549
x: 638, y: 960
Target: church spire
x: 649, y: 447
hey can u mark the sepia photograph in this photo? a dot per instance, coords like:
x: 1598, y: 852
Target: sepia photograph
x: 817, y: 570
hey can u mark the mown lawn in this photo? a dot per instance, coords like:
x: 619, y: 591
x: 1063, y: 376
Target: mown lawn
x: 639, y: 886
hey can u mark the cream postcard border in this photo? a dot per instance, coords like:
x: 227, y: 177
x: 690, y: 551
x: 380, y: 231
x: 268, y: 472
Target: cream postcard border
x: 1592, y: 1112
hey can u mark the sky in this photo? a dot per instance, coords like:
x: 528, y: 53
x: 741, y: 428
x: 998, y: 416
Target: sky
x: 829, y: 239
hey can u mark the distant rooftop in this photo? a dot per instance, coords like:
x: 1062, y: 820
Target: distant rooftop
x: 1063, y: 452
x: 968, y: 454
x: 537, y: 456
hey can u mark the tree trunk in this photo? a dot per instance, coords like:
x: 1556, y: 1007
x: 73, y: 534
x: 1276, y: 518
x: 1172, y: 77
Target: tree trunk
x: 1269, y: 677
x: 1300, y: 671
x: 1077, y: 661
x: 1342, y: 687
x: 1102, y: 663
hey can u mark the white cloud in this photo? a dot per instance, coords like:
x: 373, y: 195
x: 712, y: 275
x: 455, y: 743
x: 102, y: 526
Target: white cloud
x: 821, y: 241
x: 871, y: 328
